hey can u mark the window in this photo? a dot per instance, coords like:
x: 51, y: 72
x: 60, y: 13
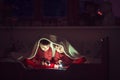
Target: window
x: 54, y: 8
x: 20, y: 7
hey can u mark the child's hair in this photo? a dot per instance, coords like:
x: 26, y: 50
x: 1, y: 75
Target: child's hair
x: 44, y: 42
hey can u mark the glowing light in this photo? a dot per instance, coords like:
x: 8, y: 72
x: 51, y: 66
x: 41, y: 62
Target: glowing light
x: 100, y: 13
x: 61, y: 66
x: 56, y: 66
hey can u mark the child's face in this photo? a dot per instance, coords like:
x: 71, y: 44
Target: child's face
x: 59, y: 48
x: 44, y: 47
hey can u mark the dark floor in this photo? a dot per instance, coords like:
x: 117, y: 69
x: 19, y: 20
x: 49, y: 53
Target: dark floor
x: 14, y: 71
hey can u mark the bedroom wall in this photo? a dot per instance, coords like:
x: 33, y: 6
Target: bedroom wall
x: 25, y: 38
